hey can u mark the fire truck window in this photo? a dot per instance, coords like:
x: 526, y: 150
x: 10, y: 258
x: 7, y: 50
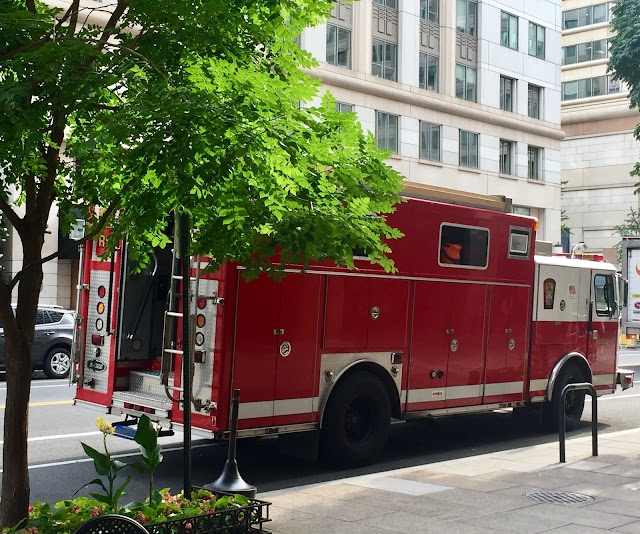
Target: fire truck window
x: 462, y: 246
x: 604, y: 295
x: 519, y: 242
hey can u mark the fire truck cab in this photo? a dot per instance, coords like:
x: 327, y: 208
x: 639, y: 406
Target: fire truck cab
x: 473, y: 320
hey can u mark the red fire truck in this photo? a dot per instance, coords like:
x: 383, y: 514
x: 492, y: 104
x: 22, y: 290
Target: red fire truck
x: 473, y: 320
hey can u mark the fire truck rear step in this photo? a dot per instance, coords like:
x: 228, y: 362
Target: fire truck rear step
x: 145, y: 393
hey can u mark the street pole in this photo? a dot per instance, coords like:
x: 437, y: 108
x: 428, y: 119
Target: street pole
x: 186, y: 351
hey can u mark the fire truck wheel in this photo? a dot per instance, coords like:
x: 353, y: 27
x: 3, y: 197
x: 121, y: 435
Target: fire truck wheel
x: 57, y: 363
x: 574, y: 405
x: 357, y: 420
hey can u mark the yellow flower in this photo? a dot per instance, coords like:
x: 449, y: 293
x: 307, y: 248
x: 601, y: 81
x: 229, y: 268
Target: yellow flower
x: 105, y: 426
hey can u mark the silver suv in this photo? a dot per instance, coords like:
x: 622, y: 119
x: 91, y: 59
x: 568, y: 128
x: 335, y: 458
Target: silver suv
x: 52, y: 341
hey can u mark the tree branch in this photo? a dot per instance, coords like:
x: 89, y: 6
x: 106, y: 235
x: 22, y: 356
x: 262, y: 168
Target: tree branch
x: 8, y: 212
x: 31, y: 5
x: 96, y: 230
x: 75, y: 6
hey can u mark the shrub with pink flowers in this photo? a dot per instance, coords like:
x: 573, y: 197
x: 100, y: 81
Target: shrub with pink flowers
x: 161, y: 507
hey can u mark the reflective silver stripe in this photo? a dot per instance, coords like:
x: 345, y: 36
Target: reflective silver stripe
x: 539, y: 384
x: 604, y: 380
x: 504, y: 388
x: 255, y: 410
x: 426, y: 395
x: 463, y: 392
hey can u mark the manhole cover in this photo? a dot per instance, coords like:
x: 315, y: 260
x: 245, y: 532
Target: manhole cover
x: 558, y: 497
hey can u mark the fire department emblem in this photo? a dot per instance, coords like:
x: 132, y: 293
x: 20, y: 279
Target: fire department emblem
x: 285, y: 349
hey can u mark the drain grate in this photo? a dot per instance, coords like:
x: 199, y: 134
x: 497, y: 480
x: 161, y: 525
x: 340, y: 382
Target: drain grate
x: 558, y: 497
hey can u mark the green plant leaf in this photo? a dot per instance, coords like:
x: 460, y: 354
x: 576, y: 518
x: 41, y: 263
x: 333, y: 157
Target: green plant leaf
x: 101, y: 462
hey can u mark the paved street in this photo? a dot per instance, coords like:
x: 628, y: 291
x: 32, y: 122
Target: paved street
x: 59, y: 467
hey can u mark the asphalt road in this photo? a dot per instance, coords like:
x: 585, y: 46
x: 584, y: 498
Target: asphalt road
x: 58, y: 466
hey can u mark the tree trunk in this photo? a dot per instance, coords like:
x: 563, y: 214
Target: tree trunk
x: 19, y: 333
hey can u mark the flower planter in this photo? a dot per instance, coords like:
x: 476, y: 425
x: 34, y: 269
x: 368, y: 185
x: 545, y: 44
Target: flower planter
x: 237, y: 520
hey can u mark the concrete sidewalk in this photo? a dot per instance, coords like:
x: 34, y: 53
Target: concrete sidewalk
x: 480, y: 494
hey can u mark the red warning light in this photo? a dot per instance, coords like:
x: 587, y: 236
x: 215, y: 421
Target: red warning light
x: 102, y: 291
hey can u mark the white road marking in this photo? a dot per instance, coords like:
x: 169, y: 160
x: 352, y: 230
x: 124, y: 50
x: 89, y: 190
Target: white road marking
x: 126, y: 455
x: 62, y: 436
x: 615, y: 397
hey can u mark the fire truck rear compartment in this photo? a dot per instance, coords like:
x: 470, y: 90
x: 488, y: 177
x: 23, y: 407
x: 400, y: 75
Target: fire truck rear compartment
x: 140, y: 338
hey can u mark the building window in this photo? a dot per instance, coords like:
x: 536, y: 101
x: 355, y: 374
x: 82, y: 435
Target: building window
x: 535, y: 157
x: 343, y: 108
x: 387, y: 131
x: 467, y: 17
x: 430, y: 141
x: 428, y: 74
x: 522, y: 210
x: 508, y: 30
x: 536, y: 40
x: 534, y: 101
x: 585, y: 52
x: 506, y: 157
x: 385, y: 60
x: 574, y: 18
x: 600, y: 85
x: 466, y: 83
x: 393, y: 4
x: 429, y: 10
x: 507, y: 89
x: 338, y: 46
x: 468, y: 149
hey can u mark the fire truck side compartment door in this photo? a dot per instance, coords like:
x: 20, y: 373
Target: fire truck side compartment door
x: 296, y: 352
x: 254, y: 369
x: 604, y: 335
x: 557, y: 307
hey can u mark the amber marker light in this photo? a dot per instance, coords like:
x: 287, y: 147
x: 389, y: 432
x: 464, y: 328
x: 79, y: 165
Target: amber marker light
x: 100, y: 308
x: 201, y: 321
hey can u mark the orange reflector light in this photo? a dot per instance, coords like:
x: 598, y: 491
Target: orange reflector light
x: 100, y: 308
x: 201, y: 321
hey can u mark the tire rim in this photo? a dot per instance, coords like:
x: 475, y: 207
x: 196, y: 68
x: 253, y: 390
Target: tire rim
x: 359, y: 421
x: 59, y: 363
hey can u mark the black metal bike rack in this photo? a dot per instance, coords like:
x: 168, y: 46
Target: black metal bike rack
x: 582, y: 386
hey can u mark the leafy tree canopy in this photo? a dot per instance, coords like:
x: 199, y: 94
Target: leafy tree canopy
x: 204, y: 106
x: 624, y: 56
x: 198, y: 108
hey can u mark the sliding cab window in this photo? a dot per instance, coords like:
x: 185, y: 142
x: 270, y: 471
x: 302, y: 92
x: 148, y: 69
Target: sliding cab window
x: 605, y: 295
x: 463, y: 246
x: 519, y: 242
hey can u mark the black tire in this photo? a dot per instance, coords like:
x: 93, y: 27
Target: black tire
x: 57, y: 363
x: 574, y: 405
x: 357, y: 420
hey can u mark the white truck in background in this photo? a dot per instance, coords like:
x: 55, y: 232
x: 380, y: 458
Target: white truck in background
x: 630, y: 319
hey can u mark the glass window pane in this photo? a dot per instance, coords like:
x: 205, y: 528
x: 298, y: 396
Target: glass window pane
x: 435, y: 143
x: 424, y: 140
x: 376, y: 58
x: 584, y: 88
x: 432, y: 73
x: 390, y: 62
x: 461, y: 15
x: 532, y: 39
x: 600, y: 49
x: 600, y: 13
x: 460, y: 81
x: 471, y: 22
x: 433, y: 10
x: 504, y: 29
x: 473, y: 150
x: 422, y: 72
x: 570, y: 55
x: 381, y: 130
x: 584, y: 52
x: 344, y: 48
x: 393, y: 134
x: 584, y: 16
x: 331, y: 44
x: 599, y: 86
x: 464, y: 149
x: 471, y: 85
x: 570, y: 90
x: 540, y: 43
x: 570, y: 19
x: 513, y: 33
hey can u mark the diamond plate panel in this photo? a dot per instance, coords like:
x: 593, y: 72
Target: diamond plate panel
x: 91, y: 371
